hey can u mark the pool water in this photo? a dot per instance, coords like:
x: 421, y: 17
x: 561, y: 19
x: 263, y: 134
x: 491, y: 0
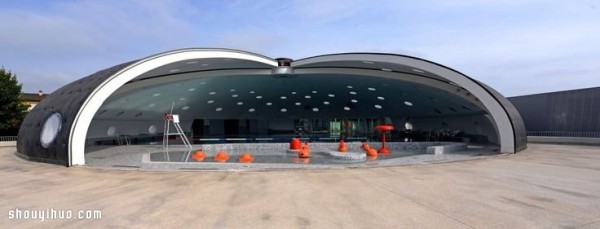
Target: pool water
x: 275, y: 157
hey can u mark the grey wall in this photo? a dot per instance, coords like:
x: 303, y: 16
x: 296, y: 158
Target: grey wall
x: 572, y: 111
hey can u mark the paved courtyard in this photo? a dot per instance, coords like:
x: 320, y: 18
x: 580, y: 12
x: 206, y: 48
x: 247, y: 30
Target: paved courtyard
x: 546, y: 186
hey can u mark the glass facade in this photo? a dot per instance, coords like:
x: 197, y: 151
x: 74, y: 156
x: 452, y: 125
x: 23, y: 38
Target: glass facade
x: 267, y: 108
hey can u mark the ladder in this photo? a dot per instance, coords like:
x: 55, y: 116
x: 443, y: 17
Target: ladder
x: 123, y: 140
x: 173, y: 118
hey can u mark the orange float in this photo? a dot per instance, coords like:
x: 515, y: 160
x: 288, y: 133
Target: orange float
x: 246, y: 158
x: 198, y: 155
x: 342, y: 147
x: 221, y: 157
x: 295, y: 144
x: 305, y: 151
x: 383, y: 129
x: 370, y: 151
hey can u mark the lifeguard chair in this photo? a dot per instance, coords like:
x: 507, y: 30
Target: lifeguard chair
x: 174, y: 118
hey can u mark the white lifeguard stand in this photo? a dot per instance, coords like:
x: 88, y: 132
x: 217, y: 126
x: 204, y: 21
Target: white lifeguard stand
x: 174, y: 118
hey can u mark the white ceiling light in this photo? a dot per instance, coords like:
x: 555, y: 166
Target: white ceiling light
x: 234, y: 95
x: 347, y: 108
x: 251, y: 110
x: 331, y: 95
x: 372, y: 89
x: 314, y: 92
x: 232, y: 90
x: 182, y: 98
x: 350, y: 87
x: 259, y: 97
x: 283, y: 97
x: 283, y: 110
x: 307, y: 96
x: 152, y: 105
x: 315, y: 109
x: 377, y: 106
x: 252, y: 92
x: 192, y: 89
x: 326, y: 102
x: 353, y: 93
x: 368, y: 62
x: 269, y: 103
x: 298, y: 103
x: 380, y: 98
x: 212, y: 93
x: 210, y: 101
x: 156, y: 94
x: 240, y: 103
x: 192, y: 62
x: 174, y: 70
x: 354, y: 101
x: 293, y: 92
x: 185, y: 108
x: 407, y: 103
x: 219, y: 109
x: 386, y: 69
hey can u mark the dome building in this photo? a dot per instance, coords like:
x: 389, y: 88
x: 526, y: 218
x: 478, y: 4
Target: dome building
x: 231, y: 96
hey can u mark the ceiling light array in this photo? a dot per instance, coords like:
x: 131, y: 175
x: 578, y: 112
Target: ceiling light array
x: 315, y: 109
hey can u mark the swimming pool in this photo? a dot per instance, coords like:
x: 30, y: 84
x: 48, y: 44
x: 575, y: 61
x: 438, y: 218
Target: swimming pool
x: 278, y: 157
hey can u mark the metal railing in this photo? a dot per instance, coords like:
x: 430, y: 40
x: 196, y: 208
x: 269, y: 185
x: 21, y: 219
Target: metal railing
x: 564, y: 134
x: 8, y: 138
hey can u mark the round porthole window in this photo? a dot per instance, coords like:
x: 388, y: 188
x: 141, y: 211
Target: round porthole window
x: 152, y: 129
x: 111, y: 131
x: 50, y: 129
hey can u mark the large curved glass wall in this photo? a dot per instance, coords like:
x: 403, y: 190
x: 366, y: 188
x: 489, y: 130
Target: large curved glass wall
x: 274, y: 108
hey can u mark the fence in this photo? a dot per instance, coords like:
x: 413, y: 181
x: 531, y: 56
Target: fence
x: 8, y: 138
x: 564, y: 134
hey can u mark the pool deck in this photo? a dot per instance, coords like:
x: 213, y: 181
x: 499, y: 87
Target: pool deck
x: 546, y: 186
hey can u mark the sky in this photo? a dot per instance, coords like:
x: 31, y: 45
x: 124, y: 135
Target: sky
x: 517, y: 47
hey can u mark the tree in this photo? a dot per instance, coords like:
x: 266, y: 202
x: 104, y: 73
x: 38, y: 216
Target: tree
x: 12, y: 109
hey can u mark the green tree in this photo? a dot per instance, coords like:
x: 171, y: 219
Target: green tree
x: 12, y: 109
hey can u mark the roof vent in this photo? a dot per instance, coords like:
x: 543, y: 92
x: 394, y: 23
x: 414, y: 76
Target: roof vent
x: 283, y: 68
x: 284, y: 62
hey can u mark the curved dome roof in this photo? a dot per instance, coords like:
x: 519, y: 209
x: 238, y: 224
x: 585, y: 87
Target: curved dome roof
x: 231, y: 83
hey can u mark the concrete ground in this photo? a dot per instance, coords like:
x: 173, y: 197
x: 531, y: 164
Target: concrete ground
x: 546, y: 186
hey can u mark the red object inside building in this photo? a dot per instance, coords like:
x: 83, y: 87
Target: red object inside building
x: 383, y: 129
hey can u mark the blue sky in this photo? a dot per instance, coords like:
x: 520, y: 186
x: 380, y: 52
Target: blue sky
x: 517, y: 47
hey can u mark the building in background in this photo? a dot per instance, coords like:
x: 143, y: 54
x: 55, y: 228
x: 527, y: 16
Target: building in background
x: 573, y: 113
x: 32, y: 99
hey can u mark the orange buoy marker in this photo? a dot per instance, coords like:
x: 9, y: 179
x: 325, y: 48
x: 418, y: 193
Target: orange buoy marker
x: 221, y: 157
x: 198, y: 155
x: 342, y: 147
x: 305, y: 151
x: 295, y: 144
x: 383, y: 129
x: 370, y: 151
x: 246, y: 158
